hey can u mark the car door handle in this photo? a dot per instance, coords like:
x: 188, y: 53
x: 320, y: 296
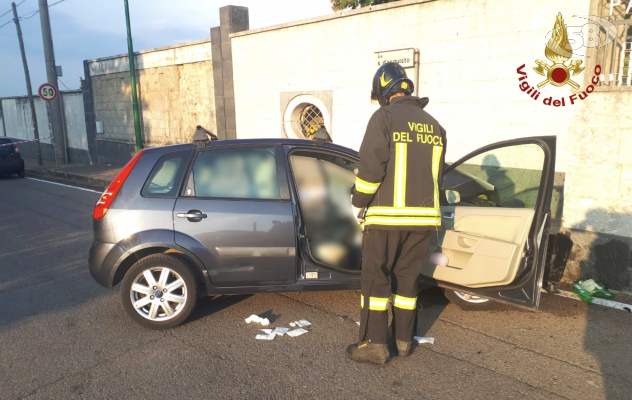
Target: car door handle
x: 190, y: 215
x: 448, y: 215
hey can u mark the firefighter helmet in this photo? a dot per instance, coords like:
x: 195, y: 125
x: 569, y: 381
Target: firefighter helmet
x: 390, y: 79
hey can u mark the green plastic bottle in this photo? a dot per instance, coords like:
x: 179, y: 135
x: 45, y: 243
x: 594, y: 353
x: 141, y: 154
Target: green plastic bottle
x: 583, y: 294
x: 596, y: 290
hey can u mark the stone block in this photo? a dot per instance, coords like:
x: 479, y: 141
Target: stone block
x: 625, y: 191
x: 625, y: 147
x: 598, y: 181
x: 595, y: 145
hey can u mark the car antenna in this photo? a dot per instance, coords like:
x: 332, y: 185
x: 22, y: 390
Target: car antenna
x: 203, y: 137
x: 322, y: 136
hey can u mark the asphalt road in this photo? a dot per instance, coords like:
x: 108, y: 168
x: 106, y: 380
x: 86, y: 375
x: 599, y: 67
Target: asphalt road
x: 62, y: 336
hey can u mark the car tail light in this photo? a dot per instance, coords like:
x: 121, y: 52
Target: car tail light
x: 113, y: 188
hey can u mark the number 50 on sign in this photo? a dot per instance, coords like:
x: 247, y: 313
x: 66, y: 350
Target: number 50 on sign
x: 48, y: 92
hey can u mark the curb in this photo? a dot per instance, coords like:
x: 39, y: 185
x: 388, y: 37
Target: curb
x: 596, y: 300
x: 99, y: 183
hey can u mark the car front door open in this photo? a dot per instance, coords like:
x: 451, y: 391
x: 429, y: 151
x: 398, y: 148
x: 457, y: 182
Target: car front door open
x: 495, y: 237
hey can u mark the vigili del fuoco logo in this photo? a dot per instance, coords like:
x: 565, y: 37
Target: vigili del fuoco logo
x: 558, y: 51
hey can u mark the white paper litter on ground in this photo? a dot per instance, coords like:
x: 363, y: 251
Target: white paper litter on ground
x: 423, y: 339
x: 263, y: 336
x: 280, y: 331
x: 297, y: 332
x: 258, y: 319
x: 358, y: 322
x: 303, y: 322
x: 292, y: 324
x: 267, y: 331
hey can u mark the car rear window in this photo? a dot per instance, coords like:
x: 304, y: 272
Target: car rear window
x: 5, y: 149
x: 165, y: 178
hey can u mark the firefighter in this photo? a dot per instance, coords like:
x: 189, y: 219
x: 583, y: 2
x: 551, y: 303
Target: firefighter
x: 397, y: 189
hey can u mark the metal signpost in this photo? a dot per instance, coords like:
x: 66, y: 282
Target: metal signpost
x: 48, y: 93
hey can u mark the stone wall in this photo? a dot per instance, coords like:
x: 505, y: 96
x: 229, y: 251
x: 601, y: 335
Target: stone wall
x: 175, y: 94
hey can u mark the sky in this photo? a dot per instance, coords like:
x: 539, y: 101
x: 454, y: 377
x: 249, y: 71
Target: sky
x: 88, y: 29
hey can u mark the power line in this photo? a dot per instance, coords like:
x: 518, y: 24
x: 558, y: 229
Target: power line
x: 17, y: 5
x: 60, y: 81
x: 29, y: 15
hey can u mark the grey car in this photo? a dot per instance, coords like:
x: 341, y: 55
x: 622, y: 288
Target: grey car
x: 273, y: 215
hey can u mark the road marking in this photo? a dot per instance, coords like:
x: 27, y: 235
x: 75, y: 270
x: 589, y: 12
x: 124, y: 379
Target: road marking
x: 61, y: 184
x: 596, y: 300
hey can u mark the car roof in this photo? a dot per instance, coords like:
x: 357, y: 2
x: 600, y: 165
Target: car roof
x: 259, y: 142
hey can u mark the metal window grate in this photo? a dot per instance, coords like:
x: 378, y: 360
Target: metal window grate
x: 310, y: 120
x: 616, y: 57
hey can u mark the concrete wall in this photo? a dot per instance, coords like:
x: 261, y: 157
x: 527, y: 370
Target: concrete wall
x: 17, y: 124
x: 175, y: 89
x: 469, y: 54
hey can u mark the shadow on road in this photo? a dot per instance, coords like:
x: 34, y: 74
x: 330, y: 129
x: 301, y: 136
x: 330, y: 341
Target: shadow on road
x: 607, y: 259
x: 210, y: 305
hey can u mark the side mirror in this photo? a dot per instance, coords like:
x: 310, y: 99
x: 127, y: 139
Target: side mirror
x: 452, y: 196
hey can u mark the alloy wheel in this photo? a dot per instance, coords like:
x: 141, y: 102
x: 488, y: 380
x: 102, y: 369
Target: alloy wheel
x: 470, y: 298
x: 158, y: 294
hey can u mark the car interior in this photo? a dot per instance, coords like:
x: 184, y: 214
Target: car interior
x: 323, y: 184
x: 484, y: 229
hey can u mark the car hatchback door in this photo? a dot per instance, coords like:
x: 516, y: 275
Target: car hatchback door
x: 236, y: 216
x: 495, y: 236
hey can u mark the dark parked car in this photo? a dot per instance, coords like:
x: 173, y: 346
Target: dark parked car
x: 272, y: 215
x: 10, y: 160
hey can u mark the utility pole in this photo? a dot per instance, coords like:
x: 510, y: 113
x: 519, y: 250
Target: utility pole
x: 132, y: 73
x: 28, y: 84
x: 51, y: 77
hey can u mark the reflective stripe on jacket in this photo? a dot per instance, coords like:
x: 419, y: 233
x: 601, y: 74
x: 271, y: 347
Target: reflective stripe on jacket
x: 401, y: 166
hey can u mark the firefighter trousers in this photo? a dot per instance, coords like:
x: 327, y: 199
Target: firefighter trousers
x: 398, y: 255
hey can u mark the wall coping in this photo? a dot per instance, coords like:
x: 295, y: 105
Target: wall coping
x: 155, y: 49
x: 35, y: 96
x: 334, y: 15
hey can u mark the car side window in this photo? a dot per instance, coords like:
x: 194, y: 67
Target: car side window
x: 235, y: 173
x: 502, y: 177
x: 166, y: 176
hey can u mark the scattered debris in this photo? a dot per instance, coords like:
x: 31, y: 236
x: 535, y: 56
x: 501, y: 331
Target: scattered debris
x: 358, y: 322
x: 271, y: 333
x: 583, y: 294
x: 280, y: 331
x: 300, y: 323
x: 258, y: 319
x: 596, y: 290
x: 297, y: 332
x: 423, y: 339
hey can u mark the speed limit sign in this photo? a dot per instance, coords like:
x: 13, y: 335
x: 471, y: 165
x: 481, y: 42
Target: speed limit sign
x: 48, y: 92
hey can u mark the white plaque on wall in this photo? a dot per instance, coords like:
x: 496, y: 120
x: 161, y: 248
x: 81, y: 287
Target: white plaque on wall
x: 405, y: 58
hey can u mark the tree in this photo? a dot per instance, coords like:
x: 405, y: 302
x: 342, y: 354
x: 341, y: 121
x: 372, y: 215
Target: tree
x: 339, y: 5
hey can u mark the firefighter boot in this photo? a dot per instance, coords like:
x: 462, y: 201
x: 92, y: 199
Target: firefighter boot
x: 369, y: 352
x: 404, y: 348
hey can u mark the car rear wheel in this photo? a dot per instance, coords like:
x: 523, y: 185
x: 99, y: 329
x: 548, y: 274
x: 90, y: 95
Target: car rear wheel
x: 468, y: 301
x: 21, y: 174
x: 159, y: 291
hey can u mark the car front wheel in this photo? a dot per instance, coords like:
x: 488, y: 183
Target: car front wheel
x: 159, y: 291
x: 468, y: 301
